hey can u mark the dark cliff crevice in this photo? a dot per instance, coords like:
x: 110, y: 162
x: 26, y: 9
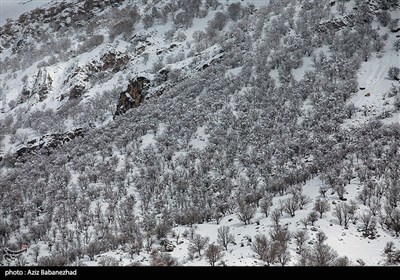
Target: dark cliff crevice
x: 133, y: 96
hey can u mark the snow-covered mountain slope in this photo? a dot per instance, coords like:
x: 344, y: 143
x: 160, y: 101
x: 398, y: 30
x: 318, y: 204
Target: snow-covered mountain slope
x: 192, y: 133
x: 12, y: 9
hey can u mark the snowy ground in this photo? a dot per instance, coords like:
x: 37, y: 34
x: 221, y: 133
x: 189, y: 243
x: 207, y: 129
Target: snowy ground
x: 374, y: 83
x: 14, y: 8
x: 349, y: 242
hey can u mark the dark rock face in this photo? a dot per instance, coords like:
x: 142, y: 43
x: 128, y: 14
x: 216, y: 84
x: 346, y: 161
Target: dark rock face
x: 76, y: 92
x: 114, y: 61
x: 133, y: 96
x: 48, y: 142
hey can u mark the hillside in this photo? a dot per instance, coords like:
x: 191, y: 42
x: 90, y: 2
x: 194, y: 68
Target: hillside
x: 200, y: 132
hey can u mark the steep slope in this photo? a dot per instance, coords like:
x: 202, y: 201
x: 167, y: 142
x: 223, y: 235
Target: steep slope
x: 140, y: 132
x: 13, y: 9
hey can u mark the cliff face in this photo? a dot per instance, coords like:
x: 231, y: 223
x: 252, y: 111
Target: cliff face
x: 39, y: 87
x: 133, y: 96
x: 114, y: 61
x: 47, y: 143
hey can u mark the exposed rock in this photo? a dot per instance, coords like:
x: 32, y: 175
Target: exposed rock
x: 335, y: 24
x: 41, y: 86
x: 26, y: 93
x: 76, y: 92
x: 80, y: 78
x: 167, y: 245
x: 133, y: 96
x: 215, y: 60
x: 205, y: 66
x: 172, y: 46
x: 48, y: 142
x: 114, y: 61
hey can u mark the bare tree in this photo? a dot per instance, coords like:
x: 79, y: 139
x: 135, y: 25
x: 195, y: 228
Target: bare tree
x: 353, y: 211
x: 162, y: 259
x: 93, y: 249
x: 183, y: 19
x: 312, y: 217
x: 375, y: 205
x: 213, y: 254
x: 396, y: 45
x: 344, y: 212
x: 321, y: 206
x: 36, y: 251
x: 280, y: 234
x: 291, y: 206
x: 322, y: 254
x: 276, y: 216
x: 224, y: 237
x: 395, y: 221
x: 300, y: 237
x: 302, y: 201
x: 246, y: 212
x: 108, y: 261
x: 394, y: 73
x: 384, y: 18
x: 342, y: 261
x: 283, y: 254
x: 235, y: 11
x: 366, y: 218
x: 364, y: 195
x: 134, y: 247
x: 265, y: 205
x: 266, y: 249
x: 148, y: 21
x: 198, y: 243
x: 323, y: 190
x: 260, y: 244
x: 55, y: 259
x: 392, y: 255
x: 339, y: 213
x: 212, y: 4
x: 321, y: 237
x: 340, y: 188
x: 304, y: 222
x: 341, y: 8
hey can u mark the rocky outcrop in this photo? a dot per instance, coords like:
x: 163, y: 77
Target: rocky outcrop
x: 335, y: 24
x: 76, y: 91
x: 78, y: 81
x: 48, y: 142
x: 114, y: 61
x: 61, y: 11
x: 82, y: 76
x: 40, y: 86
x: 167, y: 245
x: 215, y: 60
x: 133, y: 96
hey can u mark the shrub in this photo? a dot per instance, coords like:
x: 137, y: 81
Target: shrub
x: 394, y: 73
